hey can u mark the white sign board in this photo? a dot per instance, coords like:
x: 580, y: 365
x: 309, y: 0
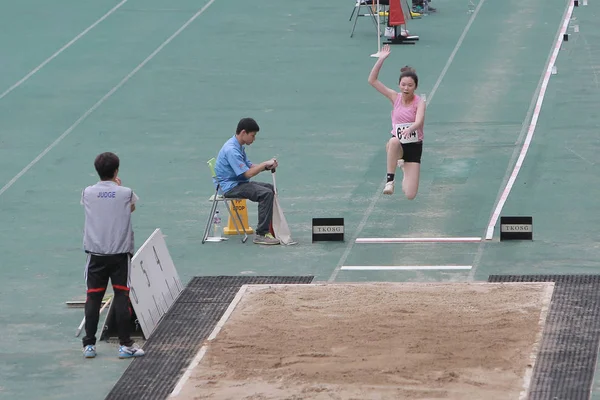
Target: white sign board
x: 154, y: 282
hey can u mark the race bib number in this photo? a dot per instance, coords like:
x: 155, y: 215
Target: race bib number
x: 405, y: 137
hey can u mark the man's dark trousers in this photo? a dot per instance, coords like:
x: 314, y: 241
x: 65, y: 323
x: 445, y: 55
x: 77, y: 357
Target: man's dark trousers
x: 99, y: 270
x: 260, y: 192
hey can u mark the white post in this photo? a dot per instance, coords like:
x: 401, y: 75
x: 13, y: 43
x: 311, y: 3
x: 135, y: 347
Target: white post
x: 376, y: 55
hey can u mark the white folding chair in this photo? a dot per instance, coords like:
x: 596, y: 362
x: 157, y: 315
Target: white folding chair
x: 216, y: 199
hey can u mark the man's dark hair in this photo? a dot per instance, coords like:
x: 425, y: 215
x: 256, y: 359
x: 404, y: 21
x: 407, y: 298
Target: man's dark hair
x: 248, y: 125
x: 106, y: 164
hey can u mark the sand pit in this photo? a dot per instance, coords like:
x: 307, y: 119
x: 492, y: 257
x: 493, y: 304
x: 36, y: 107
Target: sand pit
x: 375, y: 341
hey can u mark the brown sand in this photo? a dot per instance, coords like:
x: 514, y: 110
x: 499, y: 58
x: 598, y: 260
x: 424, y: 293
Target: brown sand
x: 375, y: 341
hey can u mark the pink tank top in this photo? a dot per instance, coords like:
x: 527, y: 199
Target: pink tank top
x: 402, y: 114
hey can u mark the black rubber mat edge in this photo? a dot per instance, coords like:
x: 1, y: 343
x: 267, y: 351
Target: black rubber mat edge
x: 181, y: 333
x: 566, y: 361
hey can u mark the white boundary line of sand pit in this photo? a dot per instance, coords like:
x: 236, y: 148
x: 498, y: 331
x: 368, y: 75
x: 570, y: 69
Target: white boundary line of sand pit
x: 547, y: 296
x: 188, y: 372
x: 238, y: 297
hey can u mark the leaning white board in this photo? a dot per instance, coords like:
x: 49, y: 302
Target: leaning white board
x: 154, y: 282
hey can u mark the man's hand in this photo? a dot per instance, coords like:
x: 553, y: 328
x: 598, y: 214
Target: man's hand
x: 256, y: 169
x: 118, y: 180
x: 272, y: 163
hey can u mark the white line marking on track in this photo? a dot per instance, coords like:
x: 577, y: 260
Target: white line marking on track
x: 404, y: 267
x: 104, y: 98
x: 420, y: 240
x: 527, y: 377
x: 66, y: 46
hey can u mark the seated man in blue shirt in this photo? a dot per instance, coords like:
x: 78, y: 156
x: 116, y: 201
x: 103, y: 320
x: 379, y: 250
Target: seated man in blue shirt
x: 234, y: 170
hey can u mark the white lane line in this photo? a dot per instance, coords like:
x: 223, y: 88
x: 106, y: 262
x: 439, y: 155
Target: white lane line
x: 404, y: 267
x: 420, y: 240
x: 66, y: 46
x: 103, y: 99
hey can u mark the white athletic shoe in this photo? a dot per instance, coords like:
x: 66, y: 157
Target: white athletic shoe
x: 401, y: 163
x: 130, y: 351
x: 389, y: 188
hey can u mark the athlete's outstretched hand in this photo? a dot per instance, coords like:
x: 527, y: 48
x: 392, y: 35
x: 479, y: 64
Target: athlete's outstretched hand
x: 384, y: 52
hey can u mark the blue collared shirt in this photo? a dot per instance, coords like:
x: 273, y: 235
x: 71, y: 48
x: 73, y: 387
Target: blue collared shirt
x: 231, y: 164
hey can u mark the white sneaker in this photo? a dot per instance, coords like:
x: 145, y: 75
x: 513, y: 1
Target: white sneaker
x: 89, y: 351
x: 389, y: 188
x: 130, y: 351
x: 401, y: 163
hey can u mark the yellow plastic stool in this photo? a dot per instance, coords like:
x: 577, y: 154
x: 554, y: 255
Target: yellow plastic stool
x: 233, y: 227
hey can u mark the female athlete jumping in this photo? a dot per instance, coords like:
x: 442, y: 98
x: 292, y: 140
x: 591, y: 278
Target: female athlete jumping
x: 408, y: 117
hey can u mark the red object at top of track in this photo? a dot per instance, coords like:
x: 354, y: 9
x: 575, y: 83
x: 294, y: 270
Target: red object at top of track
x: 396, y: 14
